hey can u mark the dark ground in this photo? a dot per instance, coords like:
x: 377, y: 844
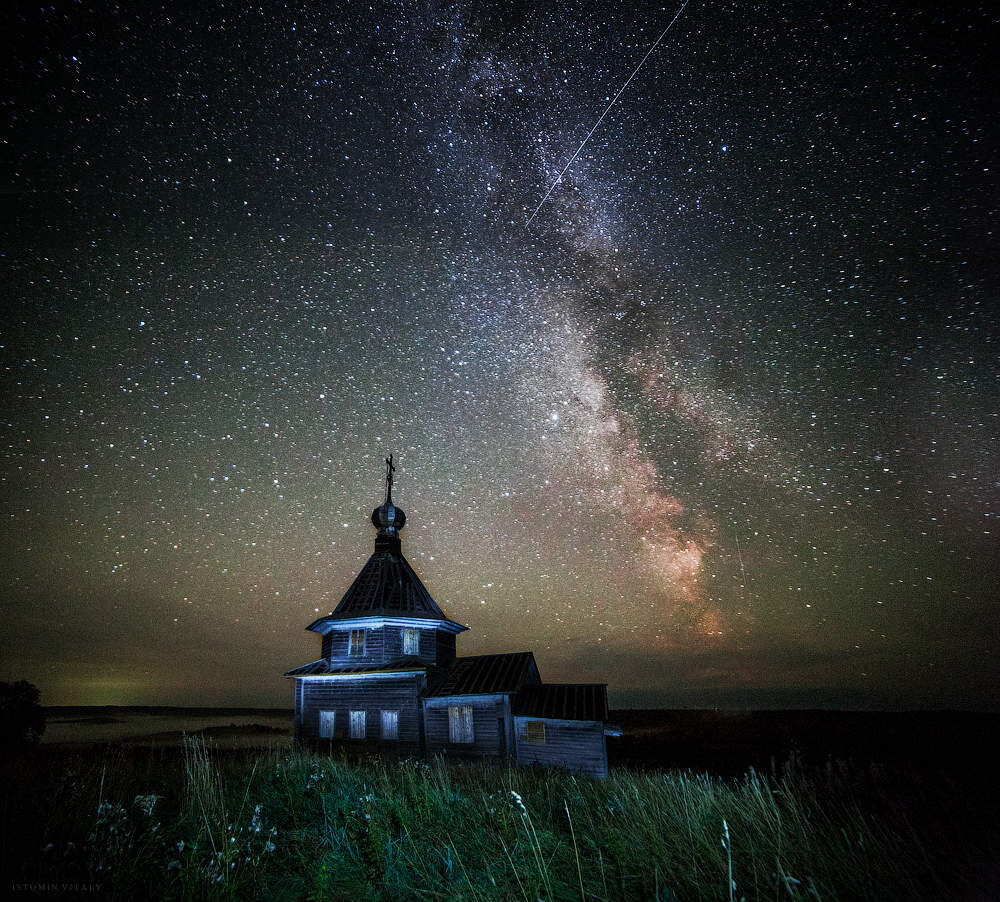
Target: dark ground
x: 960, y: 745
x: 935, y: 772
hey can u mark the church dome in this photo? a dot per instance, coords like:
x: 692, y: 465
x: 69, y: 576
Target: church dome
x: 387, y: 516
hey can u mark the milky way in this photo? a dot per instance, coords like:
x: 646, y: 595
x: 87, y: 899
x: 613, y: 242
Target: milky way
x: 717, y: 426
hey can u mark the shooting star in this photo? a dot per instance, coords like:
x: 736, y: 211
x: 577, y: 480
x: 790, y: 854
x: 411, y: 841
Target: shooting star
x: 649, y: 52
x: 743, y: 570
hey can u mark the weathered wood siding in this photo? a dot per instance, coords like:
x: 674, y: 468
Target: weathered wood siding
x: 297, y: 706
x: 445, y: 647
x: 393, y: 643
x: 490, y: 726
x: 577, y: 745
x: 337, y: 644
x: 371, y: 695
x: 384, y: 643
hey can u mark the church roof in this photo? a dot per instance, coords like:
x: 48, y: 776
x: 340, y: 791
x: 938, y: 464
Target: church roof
x: 563, y: 701
x: 486, y: 674
x: 386, y: 585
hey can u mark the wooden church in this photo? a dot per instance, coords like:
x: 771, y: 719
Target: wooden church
x: 389, y: 679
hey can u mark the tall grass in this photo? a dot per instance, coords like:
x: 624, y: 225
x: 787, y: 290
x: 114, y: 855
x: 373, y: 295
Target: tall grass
x: 282, y: 825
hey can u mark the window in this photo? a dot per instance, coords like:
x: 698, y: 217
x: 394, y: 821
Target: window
x: 390, y: 725
x: 326, y: 724
x: 534, y: 732
x: 460, y: 723
x: 411, y: 642
x: 357, y: 646
x: 357, y: 725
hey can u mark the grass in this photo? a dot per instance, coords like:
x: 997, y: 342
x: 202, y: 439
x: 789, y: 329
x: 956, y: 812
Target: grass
x: 279, y: 825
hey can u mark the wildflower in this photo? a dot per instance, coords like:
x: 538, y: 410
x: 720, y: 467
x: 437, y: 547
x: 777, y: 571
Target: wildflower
x: 180, y: 847
x: 269, y: 847
x: 516, y: 801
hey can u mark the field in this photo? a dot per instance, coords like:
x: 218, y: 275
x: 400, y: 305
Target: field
x: 700, y: 805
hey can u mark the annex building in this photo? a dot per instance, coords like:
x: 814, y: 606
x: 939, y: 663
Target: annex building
x: 389, y: 678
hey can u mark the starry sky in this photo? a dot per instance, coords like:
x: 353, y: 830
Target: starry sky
x: 717, y: 426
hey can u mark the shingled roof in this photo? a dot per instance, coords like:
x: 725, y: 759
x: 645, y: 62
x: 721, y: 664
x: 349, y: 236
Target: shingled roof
x: 487, y: 674
x: 563, y: 701
x: 386, y: 587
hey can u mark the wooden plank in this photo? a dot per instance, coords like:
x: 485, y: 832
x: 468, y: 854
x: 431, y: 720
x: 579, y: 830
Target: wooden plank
x: 576, y: 745
x: 444, y: 653
x: 371, y: 696
x: 487, y: 714
x: 337, y: 643
x: 386, y: 643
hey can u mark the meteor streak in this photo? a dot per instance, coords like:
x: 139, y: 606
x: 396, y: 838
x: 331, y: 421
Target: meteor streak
x: 656, y: 43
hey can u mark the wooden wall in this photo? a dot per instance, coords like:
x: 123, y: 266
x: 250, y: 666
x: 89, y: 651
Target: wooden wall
x: 577, y: 745
x: 370, y: 695
x: 445, y: 647
x: 490, y: 727
x: 384, y: 643
x: 337, y: 643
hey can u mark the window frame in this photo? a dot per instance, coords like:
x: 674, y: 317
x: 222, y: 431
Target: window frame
x: 534, y: 732
x: 355, y: 718
x: 393, y: 716
x: 461, y: 725
x: 351, y: 645
x: 414, y: 635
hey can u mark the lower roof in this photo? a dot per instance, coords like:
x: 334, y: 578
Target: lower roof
x: 516, y: 674
x: 486, y: 674
x: 322, y: 667
x: 563, y: 701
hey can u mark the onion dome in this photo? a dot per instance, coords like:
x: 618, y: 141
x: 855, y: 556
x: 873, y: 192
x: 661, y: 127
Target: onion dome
x: 387, y: 586
x: 388, y: 517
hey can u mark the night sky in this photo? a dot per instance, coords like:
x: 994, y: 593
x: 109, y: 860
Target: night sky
x: 718, y: 426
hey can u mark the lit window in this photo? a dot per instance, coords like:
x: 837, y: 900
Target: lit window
x: 411, y: 642
x: 460, y: 723
x: 357, y: 647
x: 357, y: 725
x: 390, y: 725
x: 534, y: 732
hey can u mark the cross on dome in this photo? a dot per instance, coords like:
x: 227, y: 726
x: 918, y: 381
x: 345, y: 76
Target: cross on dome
x: 388, y: 519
